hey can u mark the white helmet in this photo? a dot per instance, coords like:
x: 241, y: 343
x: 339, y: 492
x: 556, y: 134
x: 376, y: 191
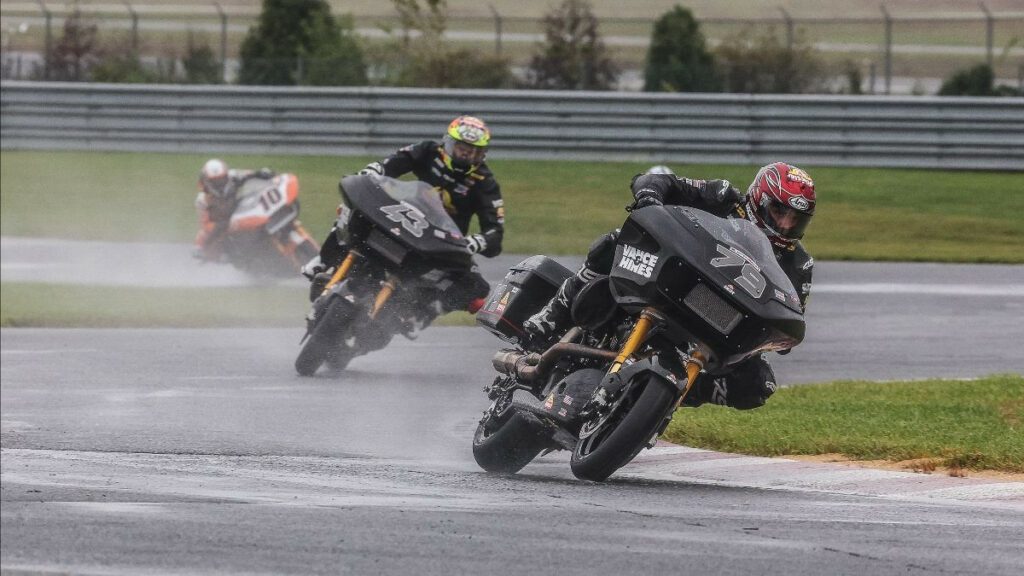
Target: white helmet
x: 213, y: 178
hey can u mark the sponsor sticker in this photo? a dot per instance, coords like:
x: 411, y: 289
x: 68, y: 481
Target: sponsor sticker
x: 638, y: 261
x: 799, y: 202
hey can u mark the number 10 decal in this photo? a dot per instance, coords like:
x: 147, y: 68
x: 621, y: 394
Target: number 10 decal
x: 408, y: 216
x: 750, y: 278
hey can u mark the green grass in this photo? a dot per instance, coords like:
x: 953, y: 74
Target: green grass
x: 969, y: 424
x: 70, y: 306
x: 552, y: 207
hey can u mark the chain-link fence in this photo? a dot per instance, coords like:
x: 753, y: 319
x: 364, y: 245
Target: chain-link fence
x: 876, y: 55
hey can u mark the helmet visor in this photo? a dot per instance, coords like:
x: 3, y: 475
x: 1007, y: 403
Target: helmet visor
x: 786, y: 221
x: 214, y: 185
x: 465, y: 155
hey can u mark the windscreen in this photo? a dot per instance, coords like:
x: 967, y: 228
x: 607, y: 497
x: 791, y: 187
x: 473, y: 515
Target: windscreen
x: 425, y: 198
x: 744, y: 236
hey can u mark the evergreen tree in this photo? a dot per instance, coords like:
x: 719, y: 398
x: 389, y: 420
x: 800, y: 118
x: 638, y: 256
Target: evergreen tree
x: 299, y: 42
x: 677, y: 60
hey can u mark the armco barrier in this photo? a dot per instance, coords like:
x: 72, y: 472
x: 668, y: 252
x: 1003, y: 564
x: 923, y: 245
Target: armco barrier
x: 919, y: 132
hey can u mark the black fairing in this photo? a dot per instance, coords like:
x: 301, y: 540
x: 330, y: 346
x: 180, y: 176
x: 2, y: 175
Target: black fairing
x: 716, y: 279
x: 404, y: 221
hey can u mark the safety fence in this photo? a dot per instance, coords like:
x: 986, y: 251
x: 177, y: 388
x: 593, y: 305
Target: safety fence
x: 920, y: 132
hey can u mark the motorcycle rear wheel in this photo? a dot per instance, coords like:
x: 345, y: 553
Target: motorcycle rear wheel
x: 510, y: 447
x: 623, y: 433
x: 325, y: 339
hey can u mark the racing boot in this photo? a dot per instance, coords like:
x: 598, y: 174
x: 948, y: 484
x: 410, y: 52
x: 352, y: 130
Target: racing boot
x: 707, y: 390
x: 556, y: 317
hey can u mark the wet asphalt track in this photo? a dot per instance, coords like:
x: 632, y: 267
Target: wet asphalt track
x: 200, y: 451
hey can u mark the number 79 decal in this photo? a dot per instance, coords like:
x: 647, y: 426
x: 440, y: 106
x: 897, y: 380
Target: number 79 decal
x: 408, y: 216
x: 750, y: 278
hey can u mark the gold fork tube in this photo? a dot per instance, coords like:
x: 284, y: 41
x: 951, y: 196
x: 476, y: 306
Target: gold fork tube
x: 341, y: 272
x: 385, y: 292
x: 636, y: 337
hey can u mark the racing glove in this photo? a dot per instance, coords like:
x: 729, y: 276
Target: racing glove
x: 372, y: 169
x: 643, y: 198
x: 476, y: 243
x: 724, y: 192
x: 265, y: 173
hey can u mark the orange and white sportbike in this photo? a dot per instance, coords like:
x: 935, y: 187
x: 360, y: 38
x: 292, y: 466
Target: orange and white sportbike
x: 688, y: 291
x: 264, y: 236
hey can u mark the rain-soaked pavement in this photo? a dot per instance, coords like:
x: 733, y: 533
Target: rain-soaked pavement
x: 200, y: 451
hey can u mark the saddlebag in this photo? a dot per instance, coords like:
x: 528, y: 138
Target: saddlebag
x: 526, y: 288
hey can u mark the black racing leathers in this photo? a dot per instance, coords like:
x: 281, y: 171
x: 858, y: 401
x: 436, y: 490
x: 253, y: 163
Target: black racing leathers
x: 463, y: 194
x: 746, y: 385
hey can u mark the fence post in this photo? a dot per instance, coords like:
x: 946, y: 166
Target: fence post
x: 497, y: 29
x: 223, y: 43
x: 989, y: 25
x: 49, y: 40
x: 888, y: 49
x: 135, y: 27
x: 789, y: 28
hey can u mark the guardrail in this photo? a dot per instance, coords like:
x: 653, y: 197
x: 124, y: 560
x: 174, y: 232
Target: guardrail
x: 918, y: 132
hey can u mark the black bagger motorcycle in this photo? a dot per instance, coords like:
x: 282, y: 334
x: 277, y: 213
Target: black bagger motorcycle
x: 688, y: 291
x: 403, y: 248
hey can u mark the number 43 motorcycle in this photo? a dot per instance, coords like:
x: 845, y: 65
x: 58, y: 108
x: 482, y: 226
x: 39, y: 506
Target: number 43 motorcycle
x: 688, y: 291
x: 403, y: 251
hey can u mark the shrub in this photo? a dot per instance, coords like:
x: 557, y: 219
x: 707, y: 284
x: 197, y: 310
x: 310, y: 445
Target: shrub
x: 573, y: 56
x: 762, y: 63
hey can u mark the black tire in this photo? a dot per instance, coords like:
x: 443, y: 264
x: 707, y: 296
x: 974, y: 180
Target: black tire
x: 511, y: 446
x: 326, y: 338
x: 625, y: 432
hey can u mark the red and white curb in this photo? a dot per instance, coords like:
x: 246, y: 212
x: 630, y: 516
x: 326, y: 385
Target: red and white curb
x: 681, y: 463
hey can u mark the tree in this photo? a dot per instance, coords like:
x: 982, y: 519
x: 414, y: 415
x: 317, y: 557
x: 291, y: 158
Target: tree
x: 762, y: 63
x: 424, y: 58
x: 76, y: 50
x: 677, y: 60
x: 200, y: 64
x: 291, y: 39
x: 573, y: 55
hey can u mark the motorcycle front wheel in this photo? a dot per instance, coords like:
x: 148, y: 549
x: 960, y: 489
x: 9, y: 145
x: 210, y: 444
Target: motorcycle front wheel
x: 623, y: 432
x: 326, y: 340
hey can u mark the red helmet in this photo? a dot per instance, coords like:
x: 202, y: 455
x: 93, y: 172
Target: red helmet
x: 780, y: 201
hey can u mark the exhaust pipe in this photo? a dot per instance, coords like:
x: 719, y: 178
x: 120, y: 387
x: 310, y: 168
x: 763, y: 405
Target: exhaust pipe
x: 532, y: 366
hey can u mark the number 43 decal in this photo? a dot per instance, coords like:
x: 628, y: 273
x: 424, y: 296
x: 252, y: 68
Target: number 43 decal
x: 408, y: 216
x: 750, y: 278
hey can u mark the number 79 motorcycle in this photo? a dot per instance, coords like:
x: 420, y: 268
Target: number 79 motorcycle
x: 688, y: 291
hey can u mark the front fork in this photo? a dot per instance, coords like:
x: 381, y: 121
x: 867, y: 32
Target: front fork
x: 650, y: 318
x: 386, y: 289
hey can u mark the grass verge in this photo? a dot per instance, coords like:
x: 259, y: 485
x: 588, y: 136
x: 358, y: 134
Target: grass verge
x: 72, y: 306
x: 957, y: 424
x: 552, y: 207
